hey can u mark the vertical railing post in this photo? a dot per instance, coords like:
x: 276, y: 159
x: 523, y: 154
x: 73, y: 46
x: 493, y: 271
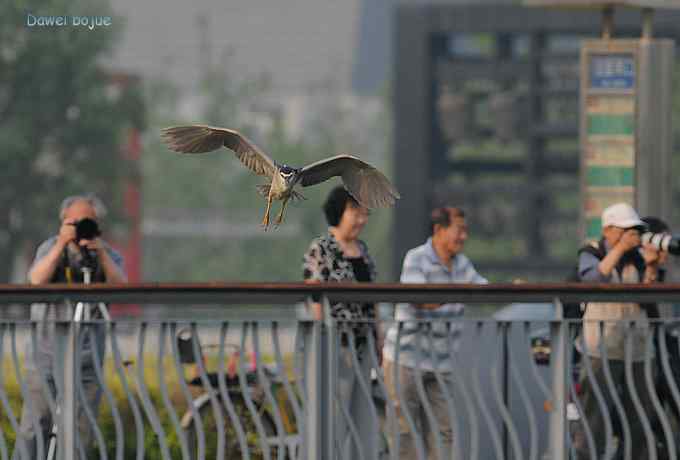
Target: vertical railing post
x: 559, y: 337
x: 312, y: 435
x: 317, y: 413
x: 330, y: 373
x: 64, y: 370
x: 506, y: 381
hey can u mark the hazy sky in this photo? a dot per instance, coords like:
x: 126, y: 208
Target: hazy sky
x: 297, y: 41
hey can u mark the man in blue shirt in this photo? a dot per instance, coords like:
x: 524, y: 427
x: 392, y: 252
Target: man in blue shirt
x: 421, y: 342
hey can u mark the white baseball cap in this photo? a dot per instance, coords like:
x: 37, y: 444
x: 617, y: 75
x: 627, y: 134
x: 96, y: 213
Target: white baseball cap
x: 621, y: 215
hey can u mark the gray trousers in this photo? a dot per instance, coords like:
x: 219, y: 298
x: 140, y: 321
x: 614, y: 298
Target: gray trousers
x: 408, y: 400
x: 356, y: 429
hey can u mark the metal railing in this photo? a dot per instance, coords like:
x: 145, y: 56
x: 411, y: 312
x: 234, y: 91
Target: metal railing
x: 241, y: 371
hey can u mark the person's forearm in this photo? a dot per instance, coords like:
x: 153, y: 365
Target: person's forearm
x: 43, y: 270
x: 315, y: 307
x: 607, y: 264
x: 111, y: 271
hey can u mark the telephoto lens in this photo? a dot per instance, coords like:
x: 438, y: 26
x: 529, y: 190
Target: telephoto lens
x: 663, y: 242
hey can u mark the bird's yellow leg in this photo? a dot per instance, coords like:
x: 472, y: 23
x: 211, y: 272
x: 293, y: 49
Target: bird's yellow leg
x: 265, y: 220
x: 279, y: 218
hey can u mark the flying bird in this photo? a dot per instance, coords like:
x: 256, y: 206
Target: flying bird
x: 365, y: 183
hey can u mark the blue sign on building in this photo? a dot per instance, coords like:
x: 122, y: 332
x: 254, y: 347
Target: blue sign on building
x: 612, y: 71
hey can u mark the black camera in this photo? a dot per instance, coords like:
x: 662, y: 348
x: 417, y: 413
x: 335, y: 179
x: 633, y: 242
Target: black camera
x: 663, y: 242
x: 87, y: 229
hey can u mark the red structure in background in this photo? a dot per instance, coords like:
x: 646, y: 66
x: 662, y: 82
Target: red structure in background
x: 131, y: 246
x: 132, y: 205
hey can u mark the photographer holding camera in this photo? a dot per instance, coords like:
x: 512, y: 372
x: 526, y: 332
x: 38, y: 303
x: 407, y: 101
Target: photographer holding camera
x: 619, y: 257
x: 60, y: 258
x: 76, y: 254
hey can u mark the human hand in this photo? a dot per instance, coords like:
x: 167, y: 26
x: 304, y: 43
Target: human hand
x: 651, y: 254
x: 92, y: 245
x: 67, y: 232
x: 629, y: 240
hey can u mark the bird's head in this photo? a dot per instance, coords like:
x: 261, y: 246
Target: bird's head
x: 289, y: 175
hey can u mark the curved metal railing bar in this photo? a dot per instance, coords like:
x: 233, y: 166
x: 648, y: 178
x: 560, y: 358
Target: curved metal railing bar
x: 261, y: 432
x: 108, y: 394
x: 484, y: 408
x: 618, y: 405
x: 498, y: 393
x: 165, y: 395
x: 225, y: 394
x: 120, y: 372
x: 422, y: 396
x: 459, y: 380
x: 285, y: 380
x: 265, y: 383
x: 656, y: 402
x: 365, y: 386
x: 147, y: 403
x: 405, y: 412
x: 46, y: 389
x: 456, y: 438
x: 602, y: 405
x: 635, y: 397
x: 89, y: 412
x: 391, y: 414
x: 666, y: 367
x: 25, y: 393
x: 196, y: 421
x: 205, y: 381
x: 531, y: 415
x: 5, y: 400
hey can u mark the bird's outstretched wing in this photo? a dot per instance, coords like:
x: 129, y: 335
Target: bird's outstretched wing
x: 366, y: 184
x: 201, y: 139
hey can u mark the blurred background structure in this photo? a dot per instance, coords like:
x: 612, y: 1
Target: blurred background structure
x: 489, y: 97
x: 495, y: 103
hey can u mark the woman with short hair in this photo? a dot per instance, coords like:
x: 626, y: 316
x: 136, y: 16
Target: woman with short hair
x: 340, y: 256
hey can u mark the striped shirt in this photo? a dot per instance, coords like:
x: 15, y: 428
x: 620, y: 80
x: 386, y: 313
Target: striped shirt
x: 428, y: 340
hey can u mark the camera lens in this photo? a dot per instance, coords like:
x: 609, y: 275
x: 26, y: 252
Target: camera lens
x: 87, y: 229
x: 663, y: 242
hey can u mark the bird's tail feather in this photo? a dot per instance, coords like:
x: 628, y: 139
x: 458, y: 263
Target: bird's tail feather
x: 297, y: 196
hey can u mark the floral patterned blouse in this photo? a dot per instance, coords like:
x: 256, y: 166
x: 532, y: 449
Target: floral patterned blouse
x: 324, y: 261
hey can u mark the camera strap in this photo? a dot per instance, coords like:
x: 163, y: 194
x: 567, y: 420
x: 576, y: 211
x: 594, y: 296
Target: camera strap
x: 68, y: 272
x: 71, y: 263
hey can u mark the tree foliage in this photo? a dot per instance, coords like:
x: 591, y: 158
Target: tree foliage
x: 61, y: 119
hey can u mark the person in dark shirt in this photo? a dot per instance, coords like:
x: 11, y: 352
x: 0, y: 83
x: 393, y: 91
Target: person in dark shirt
x: 340, y: 256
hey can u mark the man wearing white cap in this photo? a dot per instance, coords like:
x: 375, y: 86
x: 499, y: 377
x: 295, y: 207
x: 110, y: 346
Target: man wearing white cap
x: 616, y: 258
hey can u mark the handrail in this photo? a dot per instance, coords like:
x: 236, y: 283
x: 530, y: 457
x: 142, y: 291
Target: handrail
x: 288, y: 293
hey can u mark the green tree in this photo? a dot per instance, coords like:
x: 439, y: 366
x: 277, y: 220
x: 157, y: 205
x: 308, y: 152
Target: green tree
x: 61, y: 119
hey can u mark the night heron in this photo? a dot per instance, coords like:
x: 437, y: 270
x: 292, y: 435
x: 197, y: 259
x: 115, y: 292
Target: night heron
x: 365, y: 183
